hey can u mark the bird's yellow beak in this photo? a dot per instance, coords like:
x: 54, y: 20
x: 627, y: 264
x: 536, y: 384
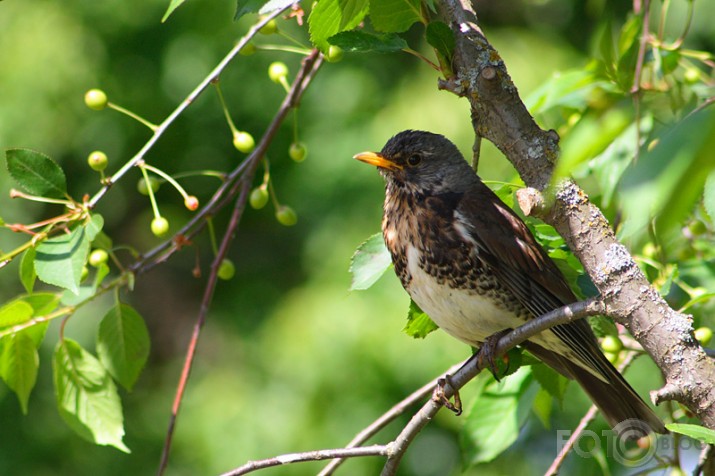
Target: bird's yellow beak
x: 377, y: 160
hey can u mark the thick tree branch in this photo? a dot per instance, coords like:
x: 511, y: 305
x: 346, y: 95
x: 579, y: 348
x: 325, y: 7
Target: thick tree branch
x: 499, y: 115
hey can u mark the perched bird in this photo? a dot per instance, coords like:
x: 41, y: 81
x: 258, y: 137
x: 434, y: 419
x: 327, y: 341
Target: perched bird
x: 474, y: 267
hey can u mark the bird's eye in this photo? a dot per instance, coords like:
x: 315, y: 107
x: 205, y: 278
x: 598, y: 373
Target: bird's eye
x: 414, y: 159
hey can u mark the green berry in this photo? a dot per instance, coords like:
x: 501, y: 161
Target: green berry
x: 286, y: 216
x: 97, y: 160
x: 243, y: 142
x: 95, y: 99
x: 335, y: 54
x: 697, y: 227
x: 269, y: 28
x: 85, y: 274
x: 704, y: 335
x: 191, y: 202
x: 258, y: 198
x: 153, y: 183
x: 611, y: 357
x: 277, y: 71
x: 611, y: 344
x: 226, y: 269
x: 248, y: 49
x: 692, y: 75
x: 160, y: 226
x: 298, y: 151
x: 98, y: 257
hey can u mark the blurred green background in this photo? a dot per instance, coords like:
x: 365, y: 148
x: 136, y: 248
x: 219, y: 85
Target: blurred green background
x: 289, y: 359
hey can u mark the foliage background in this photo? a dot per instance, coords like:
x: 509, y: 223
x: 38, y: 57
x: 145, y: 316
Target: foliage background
x: 289, y: 359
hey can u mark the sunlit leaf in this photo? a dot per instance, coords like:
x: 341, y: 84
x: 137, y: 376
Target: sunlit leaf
x: 418, y: 324
x: 394, y: 16
x: 551, y: 381
x: 369, y: 262
x: 86, y: 396
x: 123, y: 344
x: 441, y: 38
x: 667, y: 180
x: 173, y: 5
x: 18, y: 365
x: 59, y: 260
x: 15, y: 312
x: 36, y: 173
x: 27, y: 270
x: 697, y: 432
x: 330, y: 17
x: 496, y: 416
x: 709, y: 195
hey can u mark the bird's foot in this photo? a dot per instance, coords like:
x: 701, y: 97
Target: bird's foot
x: 440, y: 396
x: 486, y: 357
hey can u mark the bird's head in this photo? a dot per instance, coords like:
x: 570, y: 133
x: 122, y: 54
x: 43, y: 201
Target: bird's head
x: 423, y: 162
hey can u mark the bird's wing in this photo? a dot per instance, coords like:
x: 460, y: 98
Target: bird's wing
x: 521, y: 265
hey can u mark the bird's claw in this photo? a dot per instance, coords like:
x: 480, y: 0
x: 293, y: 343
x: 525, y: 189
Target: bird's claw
x: 440, y: 396
x: 486, y: 357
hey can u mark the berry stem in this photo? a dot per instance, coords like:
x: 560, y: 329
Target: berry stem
x: 133, y: 115
x: 290, y: 38
x: 231, y: 125
x: 286, y: 48
x: 152, y: 199
x: 14, y: 193
x: 168, y: 178
x: 212, y: 235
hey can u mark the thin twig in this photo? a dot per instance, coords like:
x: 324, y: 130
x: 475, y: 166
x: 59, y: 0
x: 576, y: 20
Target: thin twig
x: 318, y: 455
x: 562, y: 315
x: 245, y: 171
x: 388, y: 417
x: 228, y: 189
x: 161, y: 128
x: 587, y: 418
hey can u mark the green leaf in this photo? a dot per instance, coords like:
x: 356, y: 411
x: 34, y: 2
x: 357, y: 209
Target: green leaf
x: 363, y: 42
x: 697, y: 432
x: 496, y: 416
x: 94, y: 226
x: 418, y: 324
x: 172, y: 6
x: 395, y: 16
x: 709, y: 195
x: 333, y: 16
x: 602, y: 326
x: 103, y: 241
x: 18, y: 365
x: 590, y: 137
x: 15, y: 312
x: 543, y: 407
x: 668, y: 180
x: 369, y: 262
x: 27, y: 270
x: 441, y: 38
x: 36, y: 173
x: 551, y: 381
x: 87, y: 398
x: 247, y: 6
x: 123, y: 344
x: 59, y: 260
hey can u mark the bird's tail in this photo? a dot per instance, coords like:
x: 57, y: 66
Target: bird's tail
x: 621, y: 406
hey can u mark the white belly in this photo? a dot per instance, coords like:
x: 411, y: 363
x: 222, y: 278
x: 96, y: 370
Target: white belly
x: 466, y: 315
x: 462, y: 313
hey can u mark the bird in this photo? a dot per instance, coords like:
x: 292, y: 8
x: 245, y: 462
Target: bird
x: 471, y: 263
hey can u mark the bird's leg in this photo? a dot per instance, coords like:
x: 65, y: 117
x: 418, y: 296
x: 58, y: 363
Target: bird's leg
x: 486, y: 357
x: 440, y: 396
